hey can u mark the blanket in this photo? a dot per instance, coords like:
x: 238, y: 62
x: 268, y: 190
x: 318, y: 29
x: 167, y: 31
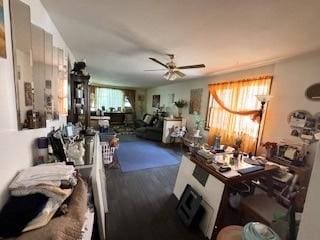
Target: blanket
x: 66, y: 227
x: 18, y: 212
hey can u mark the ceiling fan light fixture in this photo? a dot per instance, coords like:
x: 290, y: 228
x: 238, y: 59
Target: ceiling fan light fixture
x: 173, y: 70
x: 171, y: 76
x: 166, y: 75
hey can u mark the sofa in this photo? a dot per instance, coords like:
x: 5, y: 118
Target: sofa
x: 146, y: 120
x: 150, y: 127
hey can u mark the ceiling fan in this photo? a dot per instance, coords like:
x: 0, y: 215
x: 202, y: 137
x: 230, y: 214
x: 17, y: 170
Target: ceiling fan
x: 173, y: 71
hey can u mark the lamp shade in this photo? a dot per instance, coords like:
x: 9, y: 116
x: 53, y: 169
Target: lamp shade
x: 171, y: 75
x: 263, y: 98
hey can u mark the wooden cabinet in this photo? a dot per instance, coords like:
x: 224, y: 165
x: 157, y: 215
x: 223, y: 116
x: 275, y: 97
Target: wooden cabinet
x: 79, y: 110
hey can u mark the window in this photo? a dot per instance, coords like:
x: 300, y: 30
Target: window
x: 231, y: 108
x: 109, y: 98
x: 127, y: 104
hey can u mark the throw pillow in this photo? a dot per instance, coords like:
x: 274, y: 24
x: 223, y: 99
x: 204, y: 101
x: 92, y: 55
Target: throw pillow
x: 147, y: 119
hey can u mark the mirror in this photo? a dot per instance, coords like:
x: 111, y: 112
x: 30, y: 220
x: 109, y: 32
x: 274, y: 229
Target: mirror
x: 39, y: 69
x: 313, y: 92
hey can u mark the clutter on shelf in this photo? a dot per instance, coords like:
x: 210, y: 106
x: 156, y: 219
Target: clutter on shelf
x: 54, y: 207
x: 72, y: 143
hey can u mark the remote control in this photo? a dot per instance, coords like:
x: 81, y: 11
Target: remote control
x: 224, y: 169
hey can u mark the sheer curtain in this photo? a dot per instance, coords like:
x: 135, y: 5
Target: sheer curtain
x: 109, y: 97
x: 232, y: 106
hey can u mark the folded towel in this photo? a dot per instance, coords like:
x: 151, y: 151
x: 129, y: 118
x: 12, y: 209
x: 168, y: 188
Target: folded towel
x: 44, y: 179
x: 48, y: 174
x: 48, y: 190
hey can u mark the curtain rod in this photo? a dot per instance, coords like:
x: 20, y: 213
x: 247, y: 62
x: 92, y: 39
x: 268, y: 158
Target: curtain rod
x: 110, y: 87
x: 243, y: 80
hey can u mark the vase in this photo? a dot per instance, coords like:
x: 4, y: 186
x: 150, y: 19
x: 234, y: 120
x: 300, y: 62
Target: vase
x: 197, y: 133
x: 179, y: 112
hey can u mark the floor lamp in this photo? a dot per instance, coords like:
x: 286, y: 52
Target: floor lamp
x: 263, y: 99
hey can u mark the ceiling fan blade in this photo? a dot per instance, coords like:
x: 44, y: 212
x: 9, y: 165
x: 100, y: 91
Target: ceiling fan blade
x: 157, y: 61
x: 180, y: 74
x: 192, y: 66
x: 153, y: 70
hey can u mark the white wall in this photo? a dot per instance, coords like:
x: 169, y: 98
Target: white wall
x: 291, y: 78
x: 182, y: 91
x: 310, y: 223
x: 16, y: 146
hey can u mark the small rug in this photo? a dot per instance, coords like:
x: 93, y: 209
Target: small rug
x: 123, y: 130
x: 138, y: 155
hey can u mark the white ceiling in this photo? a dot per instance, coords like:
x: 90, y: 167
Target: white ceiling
x: 116, y: 37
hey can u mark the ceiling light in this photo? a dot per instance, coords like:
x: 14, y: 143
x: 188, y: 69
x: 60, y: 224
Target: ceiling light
x: 171, y: 75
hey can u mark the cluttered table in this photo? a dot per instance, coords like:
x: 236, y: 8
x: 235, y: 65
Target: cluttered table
x: 237, y: 172
x: 222, y: 172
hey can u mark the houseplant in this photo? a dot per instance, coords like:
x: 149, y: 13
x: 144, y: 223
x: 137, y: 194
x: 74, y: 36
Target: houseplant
x: 198, y: 123
x: 180, y: 104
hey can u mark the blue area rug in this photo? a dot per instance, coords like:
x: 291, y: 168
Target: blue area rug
x: 138, y: 155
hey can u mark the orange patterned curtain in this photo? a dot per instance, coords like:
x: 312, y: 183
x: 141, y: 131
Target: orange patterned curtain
x: 232, y: 106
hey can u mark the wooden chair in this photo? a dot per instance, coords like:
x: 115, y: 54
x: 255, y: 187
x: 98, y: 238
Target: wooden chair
x: 262, y: 208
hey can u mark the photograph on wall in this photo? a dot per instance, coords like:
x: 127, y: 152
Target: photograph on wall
x: 307, y: 134
x: 296, y: 132
x: 140, y: 98
x: 298, y: 118
x: 317, y: 117
x: 310, y: 123
x: 28, y: 96
x: 195, y: 100
x: 171, y: 98
x: 2, y: 32
x: 48, y: 84
x: 156, y: 101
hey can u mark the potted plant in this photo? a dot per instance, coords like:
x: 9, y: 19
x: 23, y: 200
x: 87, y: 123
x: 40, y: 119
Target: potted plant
x: 180, y: 104
x: 198, y: 123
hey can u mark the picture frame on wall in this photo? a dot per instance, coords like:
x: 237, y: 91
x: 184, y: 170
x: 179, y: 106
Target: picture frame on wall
x: 195, y: 100
x: 48, y: 84
x: 298, y: 118
x: 156, y: 101
x: 3, y: 52
x: 140, y: 98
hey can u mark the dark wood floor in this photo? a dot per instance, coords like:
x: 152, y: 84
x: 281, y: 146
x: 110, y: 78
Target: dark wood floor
x: 141, y: 206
